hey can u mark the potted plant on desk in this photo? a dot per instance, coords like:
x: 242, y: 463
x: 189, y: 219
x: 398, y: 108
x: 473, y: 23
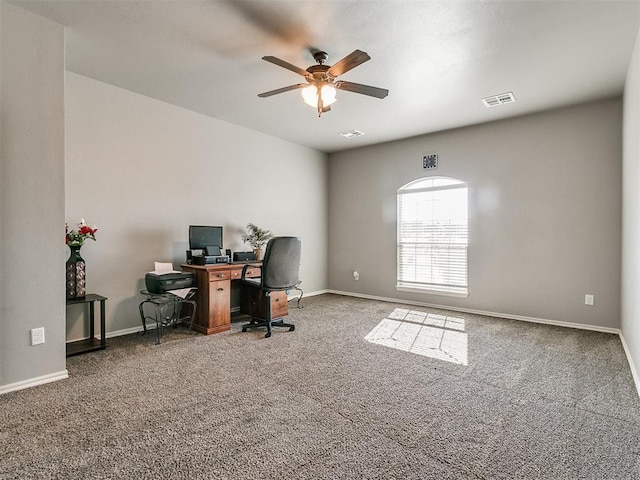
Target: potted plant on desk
x: 257, y: 238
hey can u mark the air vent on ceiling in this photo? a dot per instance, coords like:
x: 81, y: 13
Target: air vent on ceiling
x: 500, y: 99
x: 352, y: 133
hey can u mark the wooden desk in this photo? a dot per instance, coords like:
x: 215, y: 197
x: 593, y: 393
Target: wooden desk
x: 213, y: 296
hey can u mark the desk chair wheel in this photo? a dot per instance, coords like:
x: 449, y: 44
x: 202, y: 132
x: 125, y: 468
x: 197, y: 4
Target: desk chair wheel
x: 244, y: 329
x: 292, y: 328
x: 267, y: 335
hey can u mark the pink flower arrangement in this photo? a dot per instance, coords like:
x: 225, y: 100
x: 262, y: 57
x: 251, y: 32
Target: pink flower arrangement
x: 76, y: 238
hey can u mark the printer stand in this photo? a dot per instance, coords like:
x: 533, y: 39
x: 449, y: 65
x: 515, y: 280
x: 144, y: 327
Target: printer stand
x: 165, y: 309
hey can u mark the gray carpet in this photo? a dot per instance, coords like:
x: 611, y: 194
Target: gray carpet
x: 532, y: 401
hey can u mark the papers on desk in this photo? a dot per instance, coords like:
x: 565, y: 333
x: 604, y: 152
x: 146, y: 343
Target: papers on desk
x: 182, y: 292
x: 163, y: 268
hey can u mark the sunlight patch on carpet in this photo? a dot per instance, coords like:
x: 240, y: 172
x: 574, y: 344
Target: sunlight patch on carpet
x: 437, y: 336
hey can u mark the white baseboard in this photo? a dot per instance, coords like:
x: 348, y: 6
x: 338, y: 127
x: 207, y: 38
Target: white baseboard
x: 313, y: 294
x: 32, y: 382
x: 129, y: 331
x: 596, y: 328
x: 117, y: 333
x: 634, y: 372
x: 615, y: 331
x: 151, y: 326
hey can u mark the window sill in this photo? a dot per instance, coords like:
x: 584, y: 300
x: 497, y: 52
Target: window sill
x: 428, y: 291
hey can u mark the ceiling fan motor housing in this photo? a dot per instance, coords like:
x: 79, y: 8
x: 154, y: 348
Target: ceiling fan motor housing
x: 318, y: 73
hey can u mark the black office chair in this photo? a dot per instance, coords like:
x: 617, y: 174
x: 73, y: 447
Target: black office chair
x: 280, y: 272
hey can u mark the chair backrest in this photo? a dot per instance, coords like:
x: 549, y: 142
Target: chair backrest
x: 281, y: 263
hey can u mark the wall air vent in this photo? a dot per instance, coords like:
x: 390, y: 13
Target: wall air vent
x: 352, y: 133
x: 500, y: 99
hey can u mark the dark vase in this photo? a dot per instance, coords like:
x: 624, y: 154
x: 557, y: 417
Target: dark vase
x: 76, y: 284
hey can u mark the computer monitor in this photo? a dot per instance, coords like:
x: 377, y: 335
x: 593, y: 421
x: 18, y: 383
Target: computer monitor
x: 201, y: 237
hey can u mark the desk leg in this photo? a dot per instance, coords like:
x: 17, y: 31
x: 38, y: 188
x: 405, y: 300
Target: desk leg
x: 103, y: 327
x: 92, y: 328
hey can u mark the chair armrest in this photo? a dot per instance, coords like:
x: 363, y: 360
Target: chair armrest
x: 245, y: 268
x: 244, y: 272
x: 253, y: 280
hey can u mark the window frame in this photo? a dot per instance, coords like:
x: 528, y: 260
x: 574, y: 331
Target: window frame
x: 445, y: 183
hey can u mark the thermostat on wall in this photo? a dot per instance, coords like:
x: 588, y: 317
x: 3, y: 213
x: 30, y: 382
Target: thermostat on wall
x: 430, y: 161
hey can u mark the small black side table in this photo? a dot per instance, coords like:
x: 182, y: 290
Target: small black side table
x: 92, y: 343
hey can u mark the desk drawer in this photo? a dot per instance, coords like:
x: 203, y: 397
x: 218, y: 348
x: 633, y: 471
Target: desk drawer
x: 254, y: 303
x: 279, y: 307
x: 252, y: 272
x: 217, y: 275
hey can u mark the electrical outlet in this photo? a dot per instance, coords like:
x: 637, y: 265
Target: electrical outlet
x: 356, y: 276
x: 37, y: 336
x: 589, y: 299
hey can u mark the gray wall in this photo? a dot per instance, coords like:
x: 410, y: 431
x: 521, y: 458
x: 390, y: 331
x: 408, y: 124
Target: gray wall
x: 631, y: 215
x: 144, y: 170
x: 31, y: 196
x: 544, y: 213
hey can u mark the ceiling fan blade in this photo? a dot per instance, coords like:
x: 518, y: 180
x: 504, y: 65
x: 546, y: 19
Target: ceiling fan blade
x: 282, y: 90
x: 287, y: 65
x: 352, y: 60
x: 363, y: 89
x: 326, y: 109
x: 278, y: 23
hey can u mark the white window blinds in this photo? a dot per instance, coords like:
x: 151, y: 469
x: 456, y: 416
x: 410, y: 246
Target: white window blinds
x: 433, y: 235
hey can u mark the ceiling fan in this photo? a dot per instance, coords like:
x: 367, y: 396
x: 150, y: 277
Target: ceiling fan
x: 320, y: 89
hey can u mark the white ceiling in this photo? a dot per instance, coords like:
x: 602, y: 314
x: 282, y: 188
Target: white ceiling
x: 437, y: 58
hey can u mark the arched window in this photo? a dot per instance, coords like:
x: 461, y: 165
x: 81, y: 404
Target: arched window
x: 432, y: 236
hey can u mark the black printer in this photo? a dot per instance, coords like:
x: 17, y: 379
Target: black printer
x: 209, y: 259
x: 168, y: 281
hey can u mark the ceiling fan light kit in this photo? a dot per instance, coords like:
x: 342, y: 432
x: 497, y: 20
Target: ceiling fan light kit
x: 327, y: 93
x: 320, y: 89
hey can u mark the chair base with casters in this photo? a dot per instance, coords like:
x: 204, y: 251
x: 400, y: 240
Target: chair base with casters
x: 166, y: 308
x: 269, y: 322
